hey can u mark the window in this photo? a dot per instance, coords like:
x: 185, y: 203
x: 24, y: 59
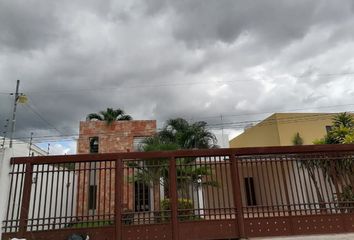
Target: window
x: 142, y: 197
x: 92, y: 193
x: 137, y: 143
x: 250, y: 192
x: 93, y: 144
x: 328, y: 129
x: 92, y: 200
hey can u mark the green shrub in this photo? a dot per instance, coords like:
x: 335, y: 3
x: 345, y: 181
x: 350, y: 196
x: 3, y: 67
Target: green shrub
x: 346, y: 200
x: 185, y: 209
x: 90, y: 224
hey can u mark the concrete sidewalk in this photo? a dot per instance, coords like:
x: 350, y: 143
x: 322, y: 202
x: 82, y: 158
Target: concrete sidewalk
x: 346, y: 236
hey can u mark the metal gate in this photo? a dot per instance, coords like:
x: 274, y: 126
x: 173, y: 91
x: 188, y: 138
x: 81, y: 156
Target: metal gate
x: 194, y: 194
x: 186, y: 197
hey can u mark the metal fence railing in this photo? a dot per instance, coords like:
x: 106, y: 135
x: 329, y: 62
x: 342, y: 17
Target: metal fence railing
x: 222, y: 193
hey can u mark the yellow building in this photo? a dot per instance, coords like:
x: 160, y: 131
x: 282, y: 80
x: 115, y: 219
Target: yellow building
x: 280, y: 128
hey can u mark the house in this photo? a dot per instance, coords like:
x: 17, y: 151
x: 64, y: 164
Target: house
x: 100, y: 137
x: 285, y: 200
x: 279, y: 129
x: 139, y: 197
x: 19, y: 149
x: 119, y: 136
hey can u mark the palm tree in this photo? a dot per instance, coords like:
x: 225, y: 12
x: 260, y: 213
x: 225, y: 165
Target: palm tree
x: 110, y: 115
x: 340, y: 171
x: 187, y: 136
x: 343, y: 120
x: 176, y: 134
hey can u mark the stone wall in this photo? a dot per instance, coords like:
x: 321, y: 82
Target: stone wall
x: 116, y: 137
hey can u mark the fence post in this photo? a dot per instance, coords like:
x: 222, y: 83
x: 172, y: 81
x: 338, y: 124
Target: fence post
x: 118, y: 198
x: 173, y: 198
x: 26, y: 197
x: 237, y: 194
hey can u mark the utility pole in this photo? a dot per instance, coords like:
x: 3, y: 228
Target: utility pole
x: 48, y: 148
x: 30, y: 145
x: 222, y: 131
x: 5, y: 132
x: 14, y: 113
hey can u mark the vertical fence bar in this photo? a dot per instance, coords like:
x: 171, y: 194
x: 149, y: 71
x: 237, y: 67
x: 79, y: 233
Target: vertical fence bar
x: 22, y: 173
x: 173, y: 198
x: 237, y: 193
x: 9, y: 220
x: 118, y: 197
x: 26, y: 199
x: 287, y: 195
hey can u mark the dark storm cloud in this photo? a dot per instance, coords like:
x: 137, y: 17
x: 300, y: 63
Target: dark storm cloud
x: 27, y: 25
x: 159, y: 59
x: 274, y: 22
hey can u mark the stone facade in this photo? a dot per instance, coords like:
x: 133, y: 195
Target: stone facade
x: 116, y: 137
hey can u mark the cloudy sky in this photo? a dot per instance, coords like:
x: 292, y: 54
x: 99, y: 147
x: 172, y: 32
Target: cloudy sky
x: 159, y: 59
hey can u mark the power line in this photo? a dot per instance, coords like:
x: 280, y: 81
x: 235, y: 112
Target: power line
x: 235, y: 124
x: 138, y: 86
x: 285, y: 120
x: 282, y: 120
x: 274, y: 111
x: 42, y: 118
x: 167, y: 84
x: 291, y: 119
x: 329, y: 74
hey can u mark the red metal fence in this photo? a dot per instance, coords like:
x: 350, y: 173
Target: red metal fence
x: 194, y: 194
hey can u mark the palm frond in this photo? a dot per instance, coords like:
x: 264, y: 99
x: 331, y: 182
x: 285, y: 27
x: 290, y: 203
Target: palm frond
x: 92, y: 116
x: 124, y: 118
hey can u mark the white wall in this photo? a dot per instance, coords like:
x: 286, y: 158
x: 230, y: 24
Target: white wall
x: 4, y: 183
x: 20, y: 149
x: 56, y: 188
x: 223, y: 140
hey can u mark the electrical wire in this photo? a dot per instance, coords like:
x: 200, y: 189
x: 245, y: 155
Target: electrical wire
x: 42, y: 118
x: 235, y: 115
x: 282, y: 120
x: 166, y: 84
x: 274, y: 111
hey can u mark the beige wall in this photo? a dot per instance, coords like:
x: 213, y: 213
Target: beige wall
x: 272, y: 180
x: 263, y: 134
x: 310, y: 126
x: 279, y: 130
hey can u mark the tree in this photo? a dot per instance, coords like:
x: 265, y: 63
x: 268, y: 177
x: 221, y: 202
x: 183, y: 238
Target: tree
x: 187, y: 136
x: 342, y: 130
x: 297, y: 139
x: 341, y: 170
x: 176, y: 134
x: 109, y: 116
x: 179, y: 134
x: 310, y: 166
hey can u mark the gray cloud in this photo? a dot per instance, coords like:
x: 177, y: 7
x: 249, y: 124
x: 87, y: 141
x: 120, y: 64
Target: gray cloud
x: 160, y: 59
x: 29, y: 25
x: 274, y: 23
